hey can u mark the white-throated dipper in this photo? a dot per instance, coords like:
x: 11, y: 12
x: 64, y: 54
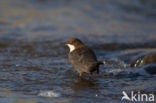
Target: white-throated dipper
x: 81, y: 57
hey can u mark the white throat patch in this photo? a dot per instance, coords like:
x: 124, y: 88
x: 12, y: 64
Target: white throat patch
x: 71, y: 47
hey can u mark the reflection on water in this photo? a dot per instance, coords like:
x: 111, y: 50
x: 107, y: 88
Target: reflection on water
x: 82, y: 84
x: 33, y: 57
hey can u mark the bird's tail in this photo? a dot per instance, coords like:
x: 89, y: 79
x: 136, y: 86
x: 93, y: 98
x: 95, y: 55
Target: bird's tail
x: 100, y: 63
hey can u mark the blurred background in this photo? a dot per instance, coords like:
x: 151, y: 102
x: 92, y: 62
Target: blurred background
x: 107, y: 20
x: 33, y: 57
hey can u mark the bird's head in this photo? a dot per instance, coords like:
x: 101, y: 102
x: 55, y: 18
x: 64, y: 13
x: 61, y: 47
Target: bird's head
x: 74, y: 43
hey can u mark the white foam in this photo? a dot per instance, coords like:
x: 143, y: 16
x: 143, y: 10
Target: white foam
x: 49, y: 94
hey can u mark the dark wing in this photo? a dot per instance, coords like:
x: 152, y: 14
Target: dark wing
x: 83, y: 58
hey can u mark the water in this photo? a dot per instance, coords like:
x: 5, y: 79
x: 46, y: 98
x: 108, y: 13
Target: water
x: 34, y: 67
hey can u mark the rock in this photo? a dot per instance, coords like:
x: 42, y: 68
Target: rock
x: 151, y: 68
x: 137, y: 62
x: 149, y: 59
x: 143, y: 60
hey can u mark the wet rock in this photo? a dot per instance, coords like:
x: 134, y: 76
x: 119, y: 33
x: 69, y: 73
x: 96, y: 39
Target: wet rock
x: 151, y: 68
x: 137, y: 62
x: 145, y: 59
x: 134, y: 59
x: 149, y: 59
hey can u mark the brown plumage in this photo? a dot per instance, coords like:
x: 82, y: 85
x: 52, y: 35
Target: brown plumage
x: 81, y: 57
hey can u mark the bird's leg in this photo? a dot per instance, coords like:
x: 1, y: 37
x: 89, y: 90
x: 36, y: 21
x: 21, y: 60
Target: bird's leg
x: 80, y: 74
x: 98, y: 71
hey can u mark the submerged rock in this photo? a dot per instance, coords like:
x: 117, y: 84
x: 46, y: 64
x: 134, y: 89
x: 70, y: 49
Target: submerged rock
x: 151, y: 68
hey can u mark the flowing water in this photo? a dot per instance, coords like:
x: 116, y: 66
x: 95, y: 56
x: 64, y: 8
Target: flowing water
x: 34, y: 66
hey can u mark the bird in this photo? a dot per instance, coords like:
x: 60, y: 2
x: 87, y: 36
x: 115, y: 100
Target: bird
x: 82, y: 58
